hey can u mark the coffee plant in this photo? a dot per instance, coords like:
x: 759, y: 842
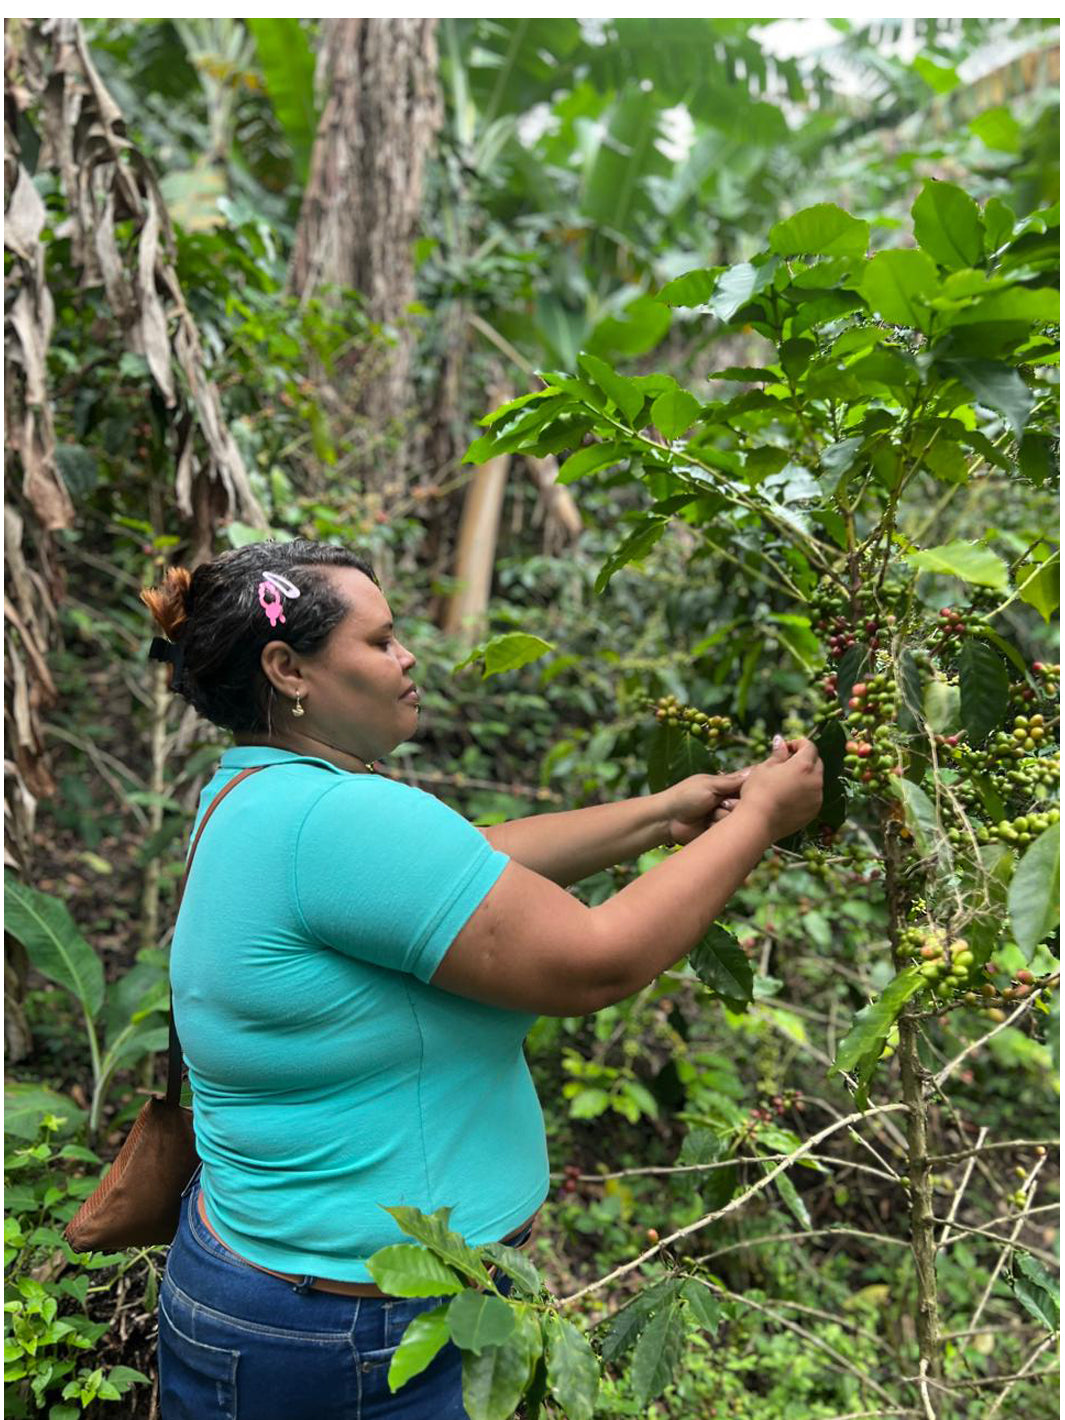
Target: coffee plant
x: 888, y: 385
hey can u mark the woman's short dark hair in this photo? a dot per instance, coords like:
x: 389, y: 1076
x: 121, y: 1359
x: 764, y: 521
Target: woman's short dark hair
x: 214, y: 619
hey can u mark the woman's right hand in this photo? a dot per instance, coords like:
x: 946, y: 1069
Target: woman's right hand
x: 787, y: 786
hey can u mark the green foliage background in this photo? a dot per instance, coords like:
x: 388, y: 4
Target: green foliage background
x: 614, y: 202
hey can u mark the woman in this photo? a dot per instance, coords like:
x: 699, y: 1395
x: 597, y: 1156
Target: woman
x: 355, y: 968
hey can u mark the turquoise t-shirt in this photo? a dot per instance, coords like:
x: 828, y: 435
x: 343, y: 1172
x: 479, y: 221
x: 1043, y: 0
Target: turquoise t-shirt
x: 329, y: 1077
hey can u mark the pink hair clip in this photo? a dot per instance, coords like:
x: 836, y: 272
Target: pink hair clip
x: 271, y: 589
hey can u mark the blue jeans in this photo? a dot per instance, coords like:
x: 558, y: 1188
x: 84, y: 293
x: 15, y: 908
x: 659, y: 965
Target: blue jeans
x: 238, y: 1344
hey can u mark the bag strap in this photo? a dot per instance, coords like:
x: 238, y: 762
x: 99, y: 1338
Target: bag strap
x: 173, y: 1067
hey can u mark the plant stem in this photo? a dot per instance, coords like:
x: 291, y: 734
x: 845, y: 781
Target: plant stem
x: 922, y: 1218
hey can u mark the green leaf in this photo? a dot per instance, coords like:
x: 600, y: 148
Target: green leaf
x: 638, y: 329
x: 871, y: 1024
x: 1040, y: 586
x: 1034, y: 892
x: 572, y: 1370
x: 658, y: 1353
x: 26, y: 1104
x: 967, y: 560
x: 942, y: 707
x: 792, y: 1198
x: 636, y: 546
x: 821, y: 230
x: 493, y: 1382
x: 627, y: 396
x: 999, y: 222
x: 404, y: 1270
x: 476, y: 1320
x: 590, y: 459
x: 1038, y: 463
x: 424, y: 1337
x: 508, y: 652
x: 53, y: 943
x: 894, y: 282
x: 694, y: 288
x: 287, y: 61
x: 673, y: 755
x: 985, y: 689
x: 626, y: 1325
x: 998, y: 128
x: 511, y: 405
x: 940, y: 78
x: 703, y: 1306
x: 831, y: 742
x: 521, y: 1271
x: 721, y: 963
x: 920, y: 814
x: 999, y: 386
x: 947, y: 225
x: 431, y: 1230
x: 675, y: 412
x: 1036, y: 1290
x: 737, y: 285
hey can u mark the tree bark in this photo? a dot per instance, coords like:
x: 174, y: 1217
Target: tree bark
x: 363, y: 201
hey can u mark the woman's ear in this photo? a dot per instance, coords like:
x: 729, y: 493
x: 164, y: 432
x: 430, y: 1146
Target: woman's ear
x: 281, y: 667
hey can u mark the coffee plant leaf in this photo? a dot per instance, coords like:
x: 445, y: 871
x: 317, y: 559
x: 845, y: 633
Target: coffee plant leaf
x: 572, y: 1369
x: 674, y: 755
x: 791, y: 1198
x: 821, y: 230
x: 1040, y: 586
x: 871, y: 1024
x: 831, y: 742
x: 494, y: 1380
x: 634, y: 331
x: 942, y: 707
x: 703, y: 1306
x: 591, y: 459
x: 658, y: 1352
x: 1007, y: 648
x: 636, y: 546
x: 551, y: 392
x: 424, y: 1337
x: 985, y: 690
x: 1036, y: 1290
x: 674, y: 412
x: 432, y: 1231
x: 53, y: 943
x: 476, y: 1320
x: 508, y: 652
x: 999, y: 222
x: 997, y: 385
x: 1037, y: 460
x: 966, y: 560
x: 404, y: 1270
x: 521, y: 1271
x: 721, y: 963
x: 628, y: 1323
x: 1034, y: 903
x: 626, y: 396
x: 694, y: 288
x: 948, y: 226
x: 737, y: 285
x: 894, y: 283
x: 920, y: 815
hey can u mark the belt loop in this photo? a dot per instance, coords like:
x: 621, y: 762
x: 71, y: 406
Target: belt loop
x: 302, y: 1288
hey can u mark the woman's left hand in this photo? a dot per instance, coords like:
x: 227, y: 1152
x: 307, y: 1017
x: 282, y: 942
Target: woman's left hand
x: 699, y: 801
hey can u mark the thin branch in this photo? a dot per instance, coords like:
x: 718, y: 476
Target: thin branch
x: 959, y: 1192
x: 1048, y: 1257
x: 1000, y: 1261
x: 1021, y: 1374
x: 735, y: 1204
x: 789, y: 1237
x: 663, y: 1169
x: 974, y: 1046
x: 986, y: 1148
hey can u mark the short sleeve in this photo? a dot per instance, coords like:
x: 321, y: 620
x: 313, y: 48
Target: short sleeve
x: 388, y: 873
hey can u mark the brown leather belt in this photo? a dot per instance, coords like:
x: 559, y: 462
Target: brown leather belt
x: 325, y: 1284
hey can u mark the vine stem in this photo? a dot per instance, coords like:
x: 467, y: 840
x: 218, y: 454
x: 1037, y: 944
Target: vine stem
x: 735, y: 1204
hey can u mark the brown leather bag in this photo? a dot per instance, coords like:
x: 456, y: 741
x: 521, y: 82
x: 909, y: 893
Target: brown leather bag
x: 138, y: 1202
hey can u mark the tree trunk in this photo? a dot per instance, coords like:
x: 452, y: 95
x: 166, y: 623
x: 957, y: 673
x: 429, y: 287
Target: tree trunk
x: 475, y: 553
x: 363, y: 201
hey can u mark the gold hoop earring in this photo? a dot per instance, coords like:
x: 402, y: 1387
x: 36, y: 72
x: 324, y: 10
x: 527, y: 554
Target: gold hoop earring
x: 298, y: 709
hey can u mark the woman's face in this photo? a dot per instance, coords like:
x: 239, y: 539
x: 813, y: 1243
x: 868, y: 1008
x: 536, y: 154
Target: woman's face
x: 354, y: 690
